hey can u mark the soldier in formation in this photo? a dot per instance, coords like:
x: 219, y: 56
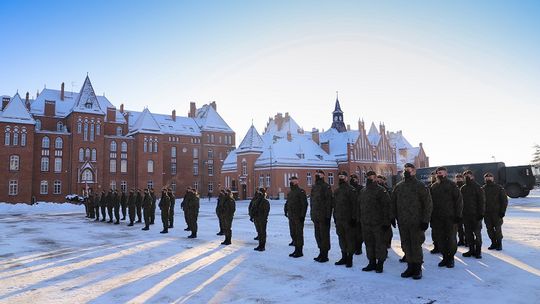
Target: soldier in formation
x: 138, y: 204
x: 229, y: 207
x: 295, y: 210
x: 171, y: 210
x: 191, y: 211
x: 123, y: 204
x: 321, y: 214
x: 459, y: 180
x: 474, y: 207
x: 345, y: 219
x: 496, y: 203
x: 358, y: 236
x: 258, y: 213
x: 219, y: 209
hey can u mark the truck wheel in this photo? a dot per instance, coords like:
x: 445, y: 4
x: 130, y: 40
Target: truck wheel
x: 524, y: 193
x: 513, y: 191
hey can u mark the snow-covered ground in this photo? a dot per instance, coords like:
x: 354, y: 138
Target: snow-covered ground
x: 49, y: 253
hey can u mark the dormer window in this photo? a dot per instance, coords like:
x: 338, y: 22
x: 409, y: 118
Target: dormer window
x: 300, y: 155
x: 88, y: 104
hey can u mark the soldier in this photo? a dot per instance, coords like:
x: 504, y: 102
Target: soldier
x: 103, y: 206
x: 147, y: 209
x: 192, y: 205
x: 251, y: 211
x: 164, y: 206
x: 434, y: 230
x: 229, y: 207
x: 474, y: 207
x: 381, y: 181
x: 92, y: 202
x: 131, y: 206
x: 345, y: 219
x: 447, y: 213
x: 97, y: 198
x: 375, y: 218
x: 412, y: 206
x: 110, y: 205
x: 321, y: 214
x: 461, y: 231
x: 138, y: 204
x: 116, y: 207
x: 219, y: 210
x: 295, y: 210
x: 153, y: 208
x: 123, y: 204
x: 86, y: 203
x: 496, y: 203
x: 358, y: 236
x: 260, y: 212
x: 184, y: 207
x: 171, y: 211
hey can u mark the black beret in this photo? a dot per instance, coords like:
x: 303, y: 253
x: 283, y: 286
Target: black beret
x: 293, y: 178
x: 409, y: 165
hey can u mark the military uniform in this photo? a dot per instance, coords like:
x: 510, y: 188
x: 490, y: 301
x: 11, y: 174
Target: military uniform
x: 496, y: 204
x: 110, y: 205
x: 251, y: 207
x: 229, y: 207
x: 91, y: 204
x: 375, y: 218
x: 219, y: 204
x: 97, y: 199
x: 412, y: 207
x: 116, y: 207
x: 171, y: 211
x: 138, y: 204
x: 296, y: 209
x: 192, y: 206
x: 132, y: 206
x: 103, y: 206
x: 123, y: 204
x: 345, y: 219
x: 447, y: 213
x: 460, y: 228
x: 153, y: 208
x: 164, y: 206
x: 147, y: 209
x: 474, y: 206
x: 184, y: 208
x: 321, y: 215
x: 259, y: 213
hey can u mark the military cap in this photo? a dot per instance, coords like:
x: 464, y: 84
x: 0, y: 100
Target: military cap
x: 488, y: 174
x: 409, y: 165
x: 344, y: 173
x: 293, y: 178
x: 440, y: 169
x: 370, y: 173
x: 467, y: 172
x: 319, y: 172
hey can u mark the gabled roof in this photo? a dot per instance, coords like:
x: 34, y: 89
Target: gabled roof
x: 87, y: 101
x: 373, y: 135
x: 208, y: 119
x: 337, y: 141
x: 16, y: 112
x: 145, y: 123
x: 275, y: 130
x: 252, y: 142
x: 398, y: 141
x: 180, y: 126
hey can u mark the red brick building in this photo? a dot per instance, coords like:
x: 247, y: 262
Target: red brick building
x: 64, y: 142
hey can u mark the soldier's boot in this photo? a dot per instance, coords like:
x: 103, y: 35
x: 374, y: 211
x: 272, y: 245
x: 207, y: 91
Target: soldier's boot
x: 164, y: 231
x: 493, y: 245
x: 349, y: 260
x: 319, y: 256
x: 298, y: 252
x: 380, y: 266
x: 227, y: 240
x: 193, y: 235
x: 97, y: 219
x: 444, y: 261
x: 408, y: 272
x: 371, y: 266
x: 450, y: 261
x: 435, y: 250
x: 499, y: 245
x: 130, y: 223
x: 403, y: 260
x: 324, y: 257
x: 146, y: 228
x: 469, y: 253
x: 461, y: 242
x: 417, y: 272
x: 343, y: 260
x: 478, y: 252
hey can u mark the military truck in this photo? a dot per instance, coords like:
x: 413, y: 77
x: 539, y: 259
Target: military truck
x: 518, y: 181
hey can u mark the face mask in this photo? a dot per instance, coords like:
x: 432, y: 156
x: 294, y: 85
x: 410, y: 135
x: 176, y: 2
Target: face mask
x: 468, y: 179
x: 460, y: 183
x: 440, y: 178
x: 489, y: 182
x: 407, y: 174
x: 291, y: 184
x: 318, y: 178
x: 369, y: 181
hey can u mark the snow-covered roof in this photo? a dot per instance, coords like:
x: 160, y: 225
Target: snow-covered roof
x: 208, y: 119
x: 145, y: 123
x: 16, y: 112
x: 87, y: 101
x: 252, y: 142
x: 279, y: 126
x: 337, y: 141
x: 373, y: 135
x: 398, y: 141
x: 180, y: 126
x: 229, y: 164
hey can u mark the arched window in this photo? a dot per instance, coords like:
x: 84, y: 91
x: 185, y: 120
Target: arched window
x: 87, y: 153
x: 38, y: 124
x: 14, y: 163
x: 7, y: 138
x: 85, y: 134
x: 150, y: 146
x: 155, y: 145
x: 124, y: 146
x: 145, y: 147
x: 98, y: 129
x: 81, y: 154
x: 92, y: 132
x: 58, y: 143
x: 15, y: 136
x: 113, y: 146
x: 244, y: 167
x: 23, y: 137
x: 79, y: 127
x: 87, y: 176
x: 119, y: 131
x: 150, y: 166
x: 59, y: 126
x: 45, y: 143
x: 94, y: 156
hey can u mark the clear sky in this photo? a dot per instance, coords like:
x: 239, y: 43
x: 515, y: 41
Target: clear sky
x: 462, y: 77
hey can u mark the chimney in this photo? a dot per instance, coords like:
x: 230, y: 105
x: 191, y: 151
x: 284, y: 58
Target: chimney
x: 50, y: 108
x: 173, y: 115
x: 192, y: 109
x: 5, y: 101
x: 289, y: 136
x: 326, y: 147
x: 111, y: 114
x: 122, y: 108
x: 213, y: 105
x: 279, y: 121
x: 360, y: 125
x: 382, y: 128
x: 315, y: 135
x: 62, y: 91
x: 348, y: 127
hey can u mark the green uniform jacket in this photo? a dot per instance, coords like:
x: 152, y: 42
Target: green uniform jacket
x: 192, y: 204
x: 260, y: 209
x: 164, y: 203
x: 496, y: 199
x: 411, y: 202
x: 447, y: 200
x: 320, y: 201
x: 344, y: 202
x: 374, y: 204
x: 229, y: 207
x: 474, y: 200
x: 131, y: 199
x: 296, y: 204
x: 147, y: 201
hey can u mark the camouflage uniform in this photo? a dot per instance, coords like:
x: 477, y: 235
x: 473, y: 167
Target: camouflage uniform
x: 116, y: 207
x: 296, y: 209
x: 110, y: 205
x: 192, y: 205
x: 496, y: 203
x: 103, y: 206
x: 153, y: 208
x: 131, y: 207
x: 321, y: 215
x: 259, y: 212
x: 138, y: 204
x: 147, y: 209
x: 229, y: 207
x: 474, y: 207
x: 123, y: 204
x: 171, y: 211
x: 357, y: 231
x: 219, y: 212
x: 344, y: 202
x: 164, y: 206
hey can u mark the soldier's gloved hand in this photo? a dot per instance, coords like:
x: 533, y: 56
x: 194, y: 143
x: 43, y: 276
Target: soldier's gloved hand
x: 393, y: 222
x: 501, y: 215
x: 352, y: 222
x: 385, y: 228
x: 424, y: 226
x: 457, y: 219
x: 479, y: 218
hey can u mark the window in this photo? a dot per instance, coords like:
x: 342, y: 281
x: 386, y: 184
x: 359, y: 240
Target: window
x: 112, y: 185
x: 87, y: 153
x: 15, y: 137
x: 210, y: 169
x: 196, y: 186
x: 119, y: 131
x: 23, y: 138
x: 123, y: 146
x: 227, y: 181
x: 150, y: 147
x: 38, y: 124
x: 92, y: 132
x: 150, y: 166
x: 123, y: 186
x: 113, y: 146
x: 261, y: 180
x: 244, y: 167
x: 173, y: 168
x: 98, y: 129
x: 14, y: 163
x: 145, y: 147
x: 13, y: 187
x: 43, y: 187
x: 210, y: 153
x: 59, y: 126
x: 211, y: 187
x: 79, y: 127
x: 58, y: 143
x: 267, y: 180
x: 87, y: 176
x: 45, y: 143
x: 331, y: 178
x: 85, y: 134
x: 212, y: 138
x: 309, y: 179
x: 81, y: 154
x: 123, y: 166
x: 94, y: 156
x: 173, y: 151
x: 57, y: 187
x: 150, y: 184
x: 112, y: 165
x: 195, y: 167
x: 195, y: 153
x: 155, y: 145
x: 7, y: 138
x: 44, y: 164
x: 58, y: 164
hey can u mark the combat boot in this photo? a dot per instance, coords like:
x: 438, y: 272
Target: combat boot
x: 192, y: 236
x: 343, y: 260
x: 499, y: 245
x: 417, y: 274
x: 318, y: 257
x: 435, y: 250
x: 349, y: 260
x: 408, y: 272
x: 469, y: 253
x: 164, y: 231
x: 117, y: 222
x: 478, y: 252
x: 371, y: 266
x: 298, y: 252
x: 227, y: 241
x: 380, y: 266
x: 324, y: 257
x: 444, y: 262
x: 146, y: 228
x: 130, y: 224
x: 450, y: 261
x: 403, y: 260
x: 493, y: 245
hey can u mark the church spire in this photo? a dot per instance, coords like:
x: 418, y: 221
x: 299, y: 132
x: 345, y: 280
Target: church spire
x: 337, y: 117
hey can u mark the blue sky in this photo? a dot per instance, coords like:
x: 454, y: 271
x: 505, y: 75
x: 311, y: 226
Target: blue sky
x: 461, y: 77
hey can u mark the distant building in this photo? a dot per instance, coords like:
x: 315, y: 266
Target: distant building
x: 64, y: 142
x: 284, y: 150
